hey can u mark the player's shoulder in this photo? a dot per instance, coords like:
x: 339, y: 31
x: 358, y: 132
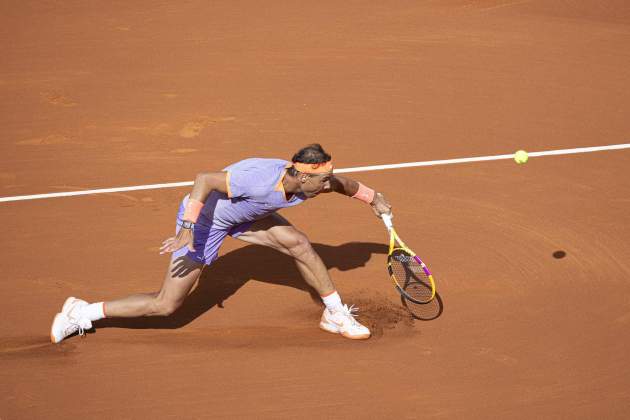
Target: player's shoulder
x: 261, y: 173
x: 261, y: 167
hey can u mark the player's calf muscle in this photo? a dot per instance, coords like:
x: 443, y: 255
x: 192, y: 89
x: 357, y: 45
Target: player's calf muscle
x: 142, y: 304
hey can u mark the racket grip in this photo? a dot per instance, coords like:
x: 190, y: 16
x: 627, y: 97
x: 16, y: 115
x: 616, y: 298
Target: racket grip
x: 387, y: 219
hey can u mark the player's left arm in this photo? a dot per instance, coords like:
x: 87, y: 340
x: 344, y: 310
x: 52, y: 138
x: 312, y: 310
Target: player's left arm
x: 352, y: 188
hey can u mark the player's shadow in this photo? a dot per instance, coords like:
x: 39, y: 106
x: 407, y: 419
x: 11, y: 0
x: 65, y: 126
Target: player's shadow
x: 230, y: 272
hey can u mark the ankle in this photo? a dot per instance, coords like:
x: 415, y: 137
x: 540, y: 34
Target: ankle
x: 332, y: 301
x: 94, y: 311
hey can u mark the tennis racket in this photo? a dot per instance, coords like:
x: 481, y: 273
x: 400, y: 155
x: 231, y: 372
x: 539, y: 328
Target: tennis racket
x: 411, y: 276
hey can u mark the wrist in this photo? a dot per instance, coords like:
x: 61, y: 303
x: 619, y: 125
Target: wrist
x: 187, y: 224
x: 376, y: 195
x: 192, y: 210
x: 365, y: 194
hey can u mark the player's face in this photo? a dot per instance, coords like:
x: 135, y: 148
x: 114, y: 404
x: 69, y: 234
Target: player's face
x: 313, y: 184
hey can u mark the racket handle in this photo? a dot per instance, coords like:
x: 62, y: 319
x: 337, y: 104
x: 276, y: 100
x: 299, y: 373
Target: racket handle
x: 387, y: 219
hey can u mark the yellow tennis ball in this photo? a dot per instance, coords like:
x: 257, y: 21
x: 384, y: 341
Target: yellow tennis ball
x: 521, y: 157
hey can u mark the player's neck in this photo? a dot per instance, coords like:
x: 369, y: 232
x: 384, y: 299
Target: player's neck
x: 291, y: 186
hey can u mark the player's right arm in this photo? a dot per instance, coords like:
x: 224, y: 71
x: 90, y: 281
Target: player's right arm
x: 205, y: 183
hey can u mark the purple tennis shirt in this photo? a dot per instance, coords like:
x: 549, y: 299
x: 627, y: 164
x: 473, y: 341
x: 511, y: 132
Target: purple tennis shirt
x: 255, y: 190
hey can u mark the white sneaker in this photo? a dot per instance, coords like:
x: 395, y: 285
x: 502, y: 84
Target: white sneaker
x: 343, y: 322
x: 69, y: 320
x: 68, y: 304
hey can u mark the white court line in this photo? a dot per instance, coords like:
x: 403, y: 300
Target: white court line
x: 337, y: 171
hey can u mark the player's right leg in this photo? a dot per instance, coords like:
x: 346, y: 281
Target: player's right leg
x: 278, y: 233
x: 77, y: 315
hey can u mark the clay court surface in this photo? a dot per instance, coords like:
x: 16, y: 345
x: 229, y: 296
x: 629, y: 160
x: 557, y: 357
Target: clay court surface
x: 98, y: 95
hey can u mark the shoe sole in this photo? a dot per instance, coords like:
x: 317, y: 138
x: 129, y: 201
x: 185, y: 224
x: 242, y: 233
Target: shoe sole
x: 351, y: 337
x: 52, y: 336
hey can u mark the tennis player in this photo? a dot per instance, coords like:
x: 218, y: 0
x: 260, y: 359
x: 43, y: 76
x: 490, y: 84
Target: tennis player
x: 241, y: 201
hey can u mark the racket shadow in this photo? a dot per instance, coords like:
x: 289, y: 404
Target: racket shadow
x: 423, y: 311
x: 253, y: 262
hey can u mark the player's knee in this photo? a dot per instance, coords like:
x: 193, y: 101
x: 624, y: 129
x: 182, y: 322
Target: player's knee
x: 300, y: 246
x: 164, y: 307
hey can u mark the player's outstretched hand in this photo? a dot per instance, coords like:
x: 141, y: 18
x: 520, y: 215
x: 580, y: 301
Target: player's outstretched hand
x: 380, y: 205
x: 184, y: 238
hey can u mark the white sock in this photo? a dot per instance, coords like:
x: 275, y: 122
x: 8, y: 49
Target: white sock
x: 333, y: 301
x: 94, y: 311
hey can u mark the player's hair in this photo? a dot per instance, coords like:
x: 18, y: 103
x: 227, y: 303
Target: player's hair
x: 313, y: 153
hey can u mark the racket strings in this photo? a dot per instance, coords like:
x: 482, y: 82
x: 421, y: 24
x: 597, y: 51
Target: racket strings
x: 410, y: 276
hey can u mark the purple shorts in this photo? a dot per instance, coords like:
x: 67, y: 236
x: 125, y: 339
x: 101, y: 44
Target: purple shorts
x: 207, y: 239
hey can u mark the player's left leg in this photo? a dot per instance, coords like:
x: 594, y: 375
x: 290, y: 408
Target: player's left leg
x: 278, y: 233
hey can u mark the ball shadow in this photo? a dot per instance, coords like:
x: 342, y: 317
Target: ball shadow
x: 559, y: 254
